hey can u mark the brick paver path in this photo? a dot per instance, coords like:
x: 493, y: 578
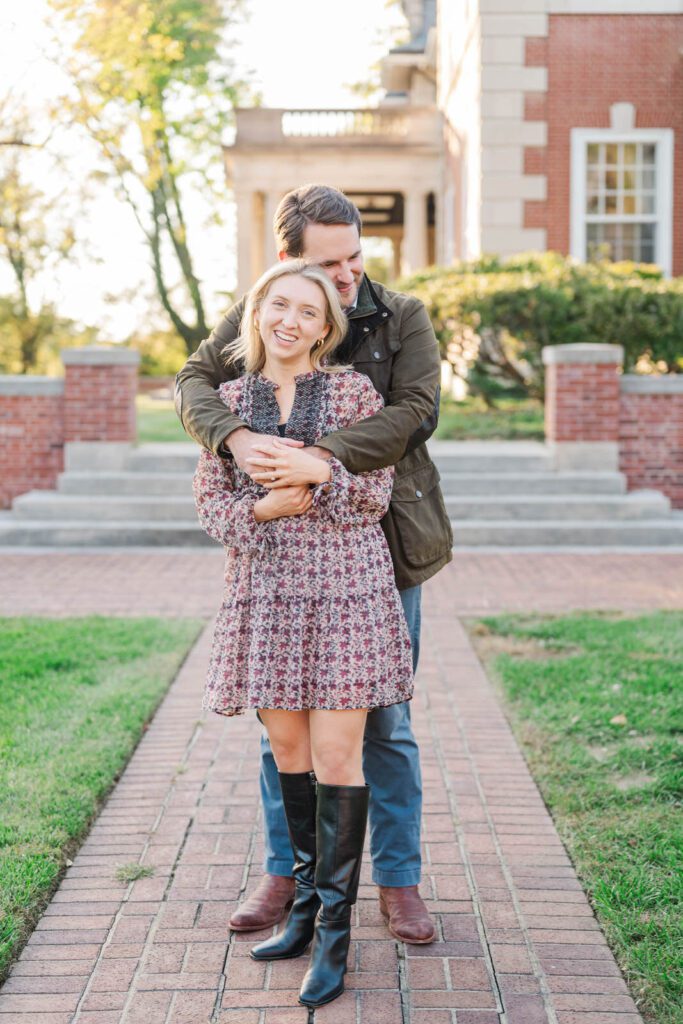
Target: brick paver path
x: 188, y: 582
x: 517, y: 940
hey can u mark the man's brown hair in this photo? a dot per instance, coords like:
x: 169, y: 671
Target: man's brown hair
x: 310, y: 204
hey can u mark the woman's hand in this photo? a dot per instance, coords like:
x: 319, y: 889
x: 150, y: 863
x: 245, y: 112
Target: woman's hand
x: 278, y: 465
x: 283, y: 501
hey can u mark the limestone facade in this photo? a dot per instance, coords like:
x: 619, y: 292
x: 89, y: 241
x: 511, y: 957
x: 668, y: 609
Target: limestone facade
x: 507, y: 125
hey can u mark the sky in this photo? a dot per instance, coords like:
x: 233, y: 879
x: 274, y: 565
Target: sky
x: 303, y: 53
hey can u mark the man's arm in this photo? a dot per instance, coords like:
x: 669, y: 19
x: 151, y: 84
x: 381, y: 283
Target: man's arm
x: 383, y: 439
x: 203, y: 414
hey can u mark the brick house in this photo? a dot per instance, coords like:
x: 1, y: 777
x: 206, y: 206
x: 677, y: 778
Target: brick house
x: 563, y: 127
x: 507, y: 125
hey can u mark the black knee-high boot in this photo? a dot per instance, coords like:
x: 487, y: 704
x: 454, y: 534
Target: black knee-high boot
x: 342, y: 817
x: 299, y: 799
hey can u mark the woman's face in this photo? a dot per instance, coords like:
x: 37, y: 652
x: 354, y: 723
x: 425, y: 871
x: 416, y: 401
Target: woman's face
x: 291, y: 319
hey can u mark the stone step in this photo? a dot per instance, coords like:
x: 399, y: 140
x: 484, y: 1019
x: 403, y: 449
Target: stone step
x: 493, y: 457
x: 126, y: 483
x: 560, y: 508
x: 548, y: 482
x: 71, y: 533
x: 499, y: 457
x: 46, y: 505
x: 645, y: 533
x: 152, y: 508
x: 173, y: 457
x: 456, y: 484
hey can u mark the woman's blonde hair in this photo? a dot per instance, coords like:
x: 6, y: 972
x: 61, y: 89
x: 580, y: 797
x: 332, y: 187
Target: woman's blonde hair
x: 248, y: 348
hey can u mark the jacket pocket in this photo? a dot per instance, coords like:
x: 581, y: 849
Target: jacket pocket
x: 422, y: 525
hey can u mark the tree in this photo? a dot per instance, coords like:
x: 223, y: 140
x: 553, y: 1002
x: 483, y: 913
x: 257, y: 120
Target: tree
x: 32, y: 242
x: 154, y: 88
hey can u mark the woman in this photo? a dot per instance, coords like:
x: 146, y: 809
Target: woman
x: 311, y: 631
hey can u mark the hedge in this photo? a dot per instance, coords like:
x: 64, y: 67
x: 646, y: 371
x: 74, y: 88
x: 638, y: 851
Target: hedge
x: 493, y: 316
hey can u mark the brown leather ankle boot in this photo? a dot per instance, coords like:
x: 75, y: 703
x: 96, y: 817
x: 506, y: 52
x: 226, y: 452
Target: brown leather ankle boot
x: 266, y: 906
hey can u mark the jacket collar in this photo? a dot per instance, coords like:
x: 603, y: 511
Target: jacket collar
x: 369, y: 305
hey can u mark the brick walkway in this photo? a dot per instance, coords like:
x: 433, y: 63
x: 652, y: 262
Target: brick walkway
x: 517, y: 942
x: 188, y: 582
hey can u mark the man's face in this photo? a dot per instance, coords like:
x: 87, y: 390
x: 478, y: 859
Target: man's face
x: 336, y: 249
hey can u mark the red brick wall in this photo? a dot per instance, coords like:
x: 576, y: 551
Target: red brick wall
x: 651, y: 443
x: 31, y: 444
x: 582, y: 402
x: 100, y: 402
x: 594, y: 61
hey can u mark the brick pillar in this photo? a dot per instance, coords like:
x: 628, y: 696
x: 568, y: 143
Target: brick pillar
x: 651, y: 434
x: 582, y: 405
x: 100, y: 385
x: 31, y: 434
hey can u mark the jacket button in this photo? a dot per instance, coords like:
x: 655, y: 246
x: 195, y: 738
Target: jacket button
x: 377, y: 355
x: 385, y: 314
x: 367, y: 330
x: 418, y: 494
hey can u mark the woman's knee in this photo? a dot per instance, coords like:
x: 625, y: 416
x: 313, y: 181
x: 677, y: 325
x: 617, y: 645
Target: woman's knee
x: 338, y: 762
x: 289, y: 742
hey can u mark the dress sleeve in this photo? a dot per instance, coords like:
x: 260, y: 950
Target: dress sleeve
x: 224, y: 513
x: 357, y: 499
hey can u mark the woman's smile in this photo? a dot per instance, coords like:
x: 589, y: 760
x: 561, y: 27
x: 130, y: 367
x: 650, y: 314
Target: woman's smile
x: 291, y: 320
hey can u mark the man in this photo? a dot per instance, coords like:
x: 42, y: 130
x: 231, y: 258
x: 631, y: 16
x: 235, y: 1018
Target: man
x: 390, y: 339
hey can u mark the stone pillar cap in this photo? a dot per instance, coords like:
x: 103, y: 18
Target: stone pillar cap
x: 583, y: 352
x: 100, y: 355
x: 652, y: 384
x: 27, y: 384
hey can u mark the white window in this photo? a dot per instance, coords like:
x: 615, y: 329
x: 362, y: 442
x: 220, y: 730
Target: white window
x: 622, y: 195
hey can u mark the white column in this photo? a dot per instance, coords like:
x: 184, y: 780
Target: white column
x: 269, y: 246
x: 414, y: 248
x: 244, y: 201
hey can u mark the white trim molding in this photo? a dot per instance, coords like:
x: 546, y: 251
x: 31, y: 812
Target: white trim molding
x: 663, y: 139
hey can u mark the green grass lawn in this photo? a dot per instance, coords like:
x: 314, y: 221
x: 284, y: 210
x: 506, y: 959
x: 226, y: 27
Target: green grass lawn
x: 514, y: 419
x: 75, y: 695
x: 597, y: 704
x: 157, y: 420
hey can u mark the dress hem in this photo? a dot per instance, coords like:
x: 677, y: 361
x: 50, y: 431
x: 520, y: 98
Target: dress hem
x: 233, y: 712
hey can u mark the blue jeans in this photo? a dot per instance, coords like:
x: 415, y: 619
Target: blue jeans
x: 391, y: 765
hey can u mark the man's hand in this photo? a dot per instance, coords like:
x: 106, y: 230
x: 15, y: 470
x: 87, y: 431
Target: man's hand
x: 242, y: 441
x: 278, y: 465
x: 284, y: 501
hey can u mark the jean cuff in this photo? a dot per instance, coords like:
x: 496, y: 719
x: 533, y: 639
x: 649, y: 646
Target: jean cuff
x: 394, y: 879
x: 271, y: 866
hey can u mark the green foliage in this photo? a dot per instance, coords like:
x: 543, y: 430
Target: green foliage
x: 36, y: 235
x: 32, y: 342
x: 162, y: 353
x: 154, y: 88
x: 75, y: 695
x: 595, y: 702
x: 493, y: 316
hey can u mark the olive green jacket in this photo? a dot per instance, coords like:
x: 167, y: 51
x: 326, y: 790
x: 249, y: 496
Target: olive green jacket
x: 391, y: 340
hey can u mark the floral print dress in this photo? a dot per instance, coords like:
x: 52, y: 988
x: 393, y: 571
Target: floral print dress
x: 311, y: 617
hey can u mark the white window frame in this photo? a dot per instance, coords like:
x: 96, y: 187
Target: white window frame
x: 663, y: 138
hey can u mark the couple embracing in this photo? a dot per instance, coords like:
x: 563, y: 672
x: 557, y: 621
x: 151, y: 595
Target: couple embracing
x: 313, y: 400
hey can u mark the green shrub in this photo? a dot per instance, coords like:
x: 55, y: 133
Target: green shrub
x: 493, y: 316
